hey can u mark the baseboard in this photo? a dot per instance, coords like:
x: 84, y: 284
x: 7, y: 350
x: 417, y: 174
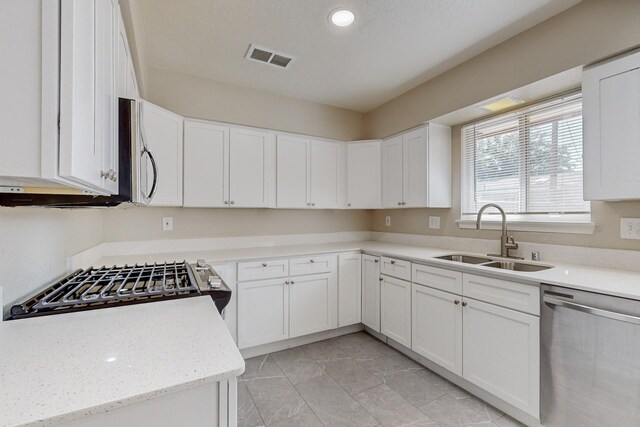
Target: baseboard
x: 260, y: 350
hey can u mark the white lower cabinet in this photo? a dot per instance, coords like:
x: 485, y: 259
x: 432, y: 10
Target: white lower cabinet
x: 349, y: 288
x: 263, y: 312
x: 312, y: 304
x: 502, y: 353
x: 395, y: 310
x: 436, y: 329
x: 371, y: 291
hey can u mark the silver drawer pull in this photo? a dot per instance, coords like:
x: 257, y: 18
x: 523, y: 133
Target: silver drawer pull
x: 592, y: 310
x: 311, y: 261
x: 292, y: 282
x: 393, y: 261
x: 264, y: 264
x: 376, y: 260
x: 456, y: 302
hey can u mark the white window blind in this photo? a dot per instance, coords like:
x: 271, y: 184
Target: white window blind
x: 529, y: 162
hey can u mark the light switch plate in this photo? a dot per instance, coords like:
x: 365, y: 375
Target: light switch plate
x: 630, y: 228
x: 167, y: 223
x: 387, y: 221
x: 434, y: 222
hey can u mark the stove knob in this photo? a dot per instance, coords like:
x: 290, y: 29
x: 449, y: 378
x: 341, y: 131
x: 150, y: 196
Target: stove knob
x: 201, y: 263
x: 214, y: 282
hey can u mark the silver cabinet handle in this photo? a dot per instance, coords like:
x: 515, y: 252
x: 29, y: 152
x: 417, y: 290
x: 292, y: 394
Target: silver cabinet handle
x: 381, y: 279
x: 592, y: 310
x: 264, y: 264
x: 286, y: 282
x: 226, y: 202
x: 399, y: 203
x: 308, y: 203
x: 376, y: 260
x: 348, y: 205
x: 456, y: 302
x: 292, y: 282
x: 393, y: 261
x: 313, y: 204
x: 232, y: 202
x: 404, y: 203
x: 464, y: 303
x: 311, y: 261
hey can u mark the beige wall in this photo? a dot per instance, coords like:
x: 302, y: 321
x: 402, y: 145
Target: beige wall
x: 146, y: 223
x: 35, y: 243
x: 605, y: 215
x: 580, y: 35
x: 206, y: 99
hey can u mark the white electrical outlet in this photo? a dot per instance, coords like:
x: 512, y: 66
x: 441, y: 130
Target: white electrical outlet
x: 434, y: 222
x: 630, y: 228
x: 167, y: 223
x: 387, y: 221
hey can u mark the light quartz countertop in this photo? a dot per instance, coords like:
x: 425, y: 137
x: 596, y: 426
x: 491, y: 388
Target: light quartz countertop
x: 66, y: 366
x: 602, y: 280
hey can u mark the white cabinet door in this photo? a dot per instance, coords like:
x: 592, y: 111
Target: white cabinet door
x: 502, y: 353
x: 349, y: 288
x: 122, y: 58
x: 251, y: 168
x: 227, y: 272
x: 325, y: 174
x: 263, y: 312
x: 292, y: 162
x: 436, y: 327
x: 414, y: 178
x: 364, y: 175
x: 206, y: 165
x: 162, y: 132
x: 87, y: 94
x: 395, y: 316
x: 439, y: 167
x: 371, y: 291
x: 313, y: 301
x: 392, y: 175
x: 611, y: 111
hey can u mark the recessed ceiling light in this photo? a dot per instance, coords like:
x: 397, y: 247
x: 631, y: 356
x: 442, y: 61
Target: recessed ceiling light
x: 502, y: 103
x: 342, y: 17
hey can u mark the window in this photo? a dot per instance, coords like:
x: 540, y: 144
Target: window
x: 529, y: 162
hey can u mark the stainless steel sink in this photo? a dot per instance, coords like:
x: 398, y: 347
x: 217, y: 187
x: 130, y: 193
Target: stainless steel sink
x: 516, y: 266
x: 467, y: 259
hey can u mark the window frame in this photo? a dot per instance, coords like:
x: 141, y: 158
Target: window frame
x: 568, y: 222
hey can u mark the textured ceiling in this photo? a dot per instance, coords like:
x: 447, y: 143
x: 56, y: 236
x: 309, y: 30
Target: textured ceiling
x: 393, y: 46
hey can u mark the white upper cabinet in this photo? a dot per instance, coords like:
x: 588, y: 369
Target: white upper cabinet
x: 228, y: 167
x: 206, y: 164
x: 88, y: 137
x: 364, y: 175
x: 310, y: 173
x: 611, y: 120
x: 392, y: 161
x: 327, y: 174
x: 251, y: 168
x: 162, y: 132
x: 416, y: 168
x: 292, y: 160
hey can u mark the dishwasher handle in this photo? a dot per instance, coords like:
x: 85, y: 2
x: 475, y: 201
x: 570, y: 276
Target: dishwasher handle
x: 592, y: 310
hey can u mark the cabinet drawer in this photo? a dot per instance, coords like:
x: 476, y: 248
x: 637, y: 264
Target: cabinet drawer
x: 259, y: 270
x: 312, y: 264
x: 438, y: 278
x: 395, y: 268
x: 517, y: 296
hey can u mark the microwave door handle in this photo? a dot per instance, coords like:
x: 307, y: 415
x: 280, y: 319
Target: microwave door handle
x: 154, y: 167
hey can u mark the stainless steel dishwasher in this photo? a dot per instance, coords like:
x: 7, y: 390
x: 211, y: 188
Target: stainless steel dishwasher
x: 590, y: 373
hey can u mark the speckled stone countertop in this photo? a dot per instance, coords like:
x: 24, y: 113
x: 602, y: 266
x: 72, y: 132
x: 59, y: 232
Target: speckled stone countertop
x: 608, y: 281
x: 63, y: 367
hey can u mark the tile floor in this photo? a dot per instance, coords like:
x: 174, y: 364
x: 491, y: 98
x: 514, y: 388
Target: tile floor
x: 354, y: 380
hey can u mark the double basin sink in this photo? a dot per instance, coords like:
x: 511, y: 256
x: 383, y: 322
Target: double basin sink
x: 501, y: 264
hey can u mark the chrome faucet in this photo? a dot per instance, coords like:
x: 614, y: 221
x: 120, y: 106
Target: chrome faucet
x: 506, y: 242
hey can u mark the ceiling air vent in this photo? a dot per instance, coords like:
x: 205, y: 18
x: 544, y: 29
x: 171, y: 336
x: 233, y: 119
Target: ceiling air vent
x: 268, y: 56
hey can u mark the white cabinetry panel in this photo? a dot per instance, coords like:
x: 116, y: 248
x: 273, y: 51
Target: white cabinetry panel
x: 325, y: 174
x: 292, y: 163
x: 371, y: 291
x: 312, y: 304
x: 349, y: 288
x: 437, y: 327
x: 502, y: 353
x: 162, y: 132
x: 206, y: 166
x: 263, y: 312
x: 392, y: 175
x: 395, y: 316
x: 611, y: 109
x: 251, y: 168
x: 364, y: 175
